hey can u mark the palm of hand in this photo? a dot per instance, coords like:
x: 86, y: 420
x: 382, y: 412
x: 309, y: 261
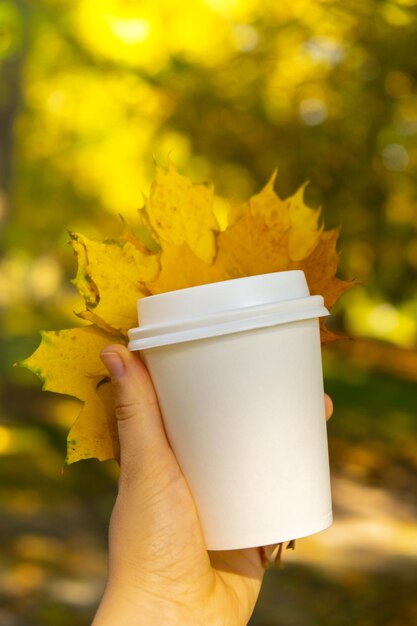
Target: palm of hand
x: 173, y: 565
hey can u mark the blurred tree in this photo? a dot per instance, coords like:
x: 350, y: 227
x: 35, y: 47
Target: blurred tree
x: 13, y: 44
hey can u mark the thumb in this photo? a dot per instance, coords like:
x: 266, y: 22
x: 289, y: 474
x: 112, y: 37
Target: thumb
x: 143, y: 441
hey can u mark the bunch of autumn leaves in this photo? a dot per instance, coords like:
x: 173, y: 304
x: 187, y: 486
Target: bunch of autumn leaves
x: 179, y: 245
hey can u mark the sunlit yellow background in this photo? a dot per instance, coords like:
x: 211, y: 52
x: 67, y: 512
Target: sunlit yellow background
x: 230, y: 89
x: 92, y: 94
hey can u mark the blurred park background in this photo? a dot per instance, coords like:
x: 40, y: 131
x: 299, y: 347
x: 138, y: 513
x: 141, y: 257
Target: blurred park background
x: 92, y: 93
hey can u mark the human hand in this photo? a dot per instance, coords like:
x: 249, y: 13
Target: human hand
x: 160, y: 571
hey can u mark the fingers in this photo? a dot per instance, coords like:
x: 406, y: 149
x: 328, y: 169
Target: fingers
x: 143, y: 441
x: 328, y: 406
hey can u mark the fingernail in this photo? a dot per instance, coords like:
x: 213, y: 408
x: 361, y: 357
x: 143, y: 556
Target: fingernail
x: 114, y: 364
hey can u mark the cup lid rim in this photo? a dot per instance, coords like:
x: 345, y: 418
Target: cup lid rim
x: 227, y: 322
x: 227, y: 295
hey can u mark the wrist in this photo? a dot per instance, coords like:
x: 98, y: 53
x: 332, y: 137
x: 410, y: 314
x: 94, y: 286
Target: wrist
x: 123, y: 609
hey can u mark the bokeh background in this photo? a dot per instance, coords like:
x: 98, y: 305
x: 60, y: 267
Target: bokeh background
x: 92, y: 93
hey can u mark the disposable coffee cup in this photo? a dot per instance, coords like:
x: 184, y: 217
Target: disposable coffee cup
x: 237, y: 369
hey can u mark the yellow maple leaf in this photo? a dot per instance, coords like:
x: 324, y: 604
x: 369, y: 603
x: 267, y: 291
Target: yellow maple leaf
x: 94, y: 432
x: 111, y: 277
x: 65, y: 358
x: 180, y: 246
x: 68, y: 362
x: 305, y: 231
x: 180, y: 268
x: 179, y: 212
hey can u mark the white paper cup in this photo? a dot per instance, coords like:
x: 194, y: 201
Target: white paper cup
x: 237, y: 370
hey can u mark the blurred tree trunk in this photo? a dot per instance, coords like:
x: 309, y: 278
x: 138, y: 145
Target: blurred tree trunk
x: 10, y: 101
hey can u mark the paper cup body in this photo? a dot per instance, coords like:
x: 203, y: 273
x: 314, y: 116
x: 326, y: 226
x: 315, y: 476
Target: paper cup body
x: 244, y: 414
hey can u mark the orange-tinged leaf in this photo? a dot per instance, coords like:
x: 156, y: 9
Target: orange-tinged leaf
x: 320, y: 268
x: 182, y: 212
x: 256, y: 242
x: 326, y: 335
x: 111, y: 277
x: 249, y: 247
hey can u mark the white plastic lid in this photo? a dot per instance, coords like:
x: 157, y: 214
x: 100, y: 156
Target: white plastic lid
x: 222, y: 308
